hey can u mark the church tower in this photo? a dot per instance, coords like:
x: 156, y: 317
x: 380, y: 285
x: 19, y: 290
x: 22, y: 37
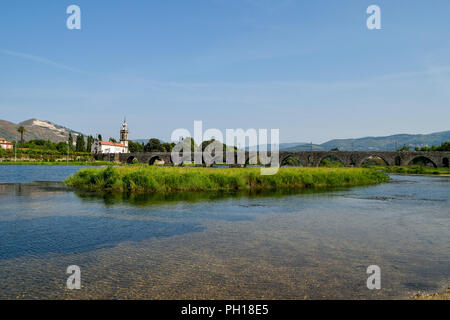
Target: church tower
x: 124, y: 134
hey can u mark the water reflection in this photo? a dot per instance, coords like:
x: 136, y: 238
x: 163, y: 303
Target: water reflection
x: 143, y: 200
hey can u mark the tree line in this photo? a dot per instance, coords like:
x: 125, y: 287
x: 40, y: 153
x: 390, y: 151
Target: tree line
x: 445, y: 146
x: 84, y: 144
x: 156, y: 145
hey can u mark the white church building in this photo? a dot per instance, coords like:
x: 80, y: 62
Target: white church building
x: 113, y: 147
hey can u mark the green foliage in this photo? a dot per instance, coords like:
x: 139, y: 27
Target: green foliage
x: 204, y: 144
x: 70, y: 141
x: 445, y: 146
x: 415, y: 170
x: 153, y: 145
x: 291, y: 162
x: 80, y: 146
x: 61, y: 147
x: 167, y: 147
x: 404, y: 148
x: 149, y: 179
x: 90, y: 141
x: 44, y: 150
x: 135, y: 146
x: 373, y: 162
x: 331, y: 162
x: 21, y: 130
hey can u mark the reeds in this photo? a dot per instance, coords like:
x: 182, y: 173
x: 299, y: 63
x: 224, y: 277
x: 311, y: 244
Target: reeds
x: 146, y: 179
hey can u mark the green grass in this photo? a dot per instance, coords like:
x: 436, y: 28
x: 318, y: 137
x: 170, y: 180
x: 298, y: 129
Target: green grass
x: 146, y: 179
x: 61, y: 163
x: 415, y: 170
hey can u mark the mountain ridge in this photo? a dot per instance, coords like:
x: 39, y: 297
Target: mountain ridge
x: 36, y: 129
x: 381, y: 143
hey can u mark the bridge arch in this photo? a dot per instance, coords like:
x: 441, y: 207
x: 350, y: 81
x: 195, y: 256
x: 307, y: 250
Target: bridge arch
x: 445, y: 162
x: 373, y: 159
x: 131, y: 159
x: 422, y: 160
x: 291, y: 160
x: 154, y: 159
x: 331, y: 160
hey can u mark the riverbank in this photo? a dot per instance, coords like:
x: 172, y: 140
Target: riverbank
x: 415, y: 170
x: 61, y: 163
x: 145, y: 179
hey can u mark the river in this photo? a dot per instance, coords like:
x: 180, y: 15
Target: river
x: 200, y: 246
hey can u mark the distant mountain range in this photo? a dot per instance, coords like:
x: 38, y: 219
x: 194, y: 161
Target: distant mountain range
x: 387, y: 143
x: 35, y: 129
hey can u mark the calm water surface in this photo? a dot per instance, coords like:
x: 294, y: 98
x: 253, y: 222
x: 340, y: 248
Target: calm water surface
x: 202, y: 246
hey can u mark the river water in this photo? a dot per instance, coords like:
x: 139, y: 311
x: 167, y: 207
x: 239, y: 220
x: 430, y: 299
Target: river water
x: 202, y: 246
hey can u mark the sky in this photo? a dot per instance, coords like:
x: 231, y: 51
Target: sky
x: 311, y: 69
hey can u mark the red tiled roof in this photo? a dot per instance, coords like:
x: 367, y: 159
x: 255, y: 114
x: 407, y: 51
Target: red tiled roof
x: 3, y: 141
x: 107, y: 143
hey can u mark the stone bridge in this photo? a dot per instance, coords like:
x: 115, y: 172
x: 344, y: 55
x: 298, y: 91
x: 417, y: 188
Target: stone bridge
x: 306, y: 158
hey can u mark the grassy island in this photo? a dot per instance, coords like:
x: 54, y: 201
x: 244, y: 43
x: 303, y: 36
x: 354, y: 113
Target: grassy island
x: 146, y: 179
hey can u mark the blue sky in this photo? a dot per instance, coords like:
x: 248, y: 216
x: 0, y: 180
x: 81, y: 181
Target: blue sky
x: 310, y: 68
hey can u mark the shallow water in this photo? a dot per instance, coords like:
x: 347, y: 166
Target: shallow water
x: 30, y: 173
x: 222, y: 246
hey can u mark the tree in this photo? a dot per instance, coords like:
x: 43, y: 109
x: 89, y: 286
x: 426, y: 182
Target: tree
x: 21, y: 130
x: 206, y: 143
x: 112, y: 140
x: 225, y: 147
x: 70, y: 141
x: 80, y: 146
x: 404, y: 148
x: 153, y: 145
x: 99, y: 137
x: 445, y: 146
x: 61, y: 147
x: 135, y: 146
x: 167, y: 147
x: 90, y: 141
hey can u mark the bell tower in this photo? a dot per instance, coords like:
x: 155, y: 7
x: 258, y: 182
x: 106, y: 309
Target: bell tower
x: 124, y: 134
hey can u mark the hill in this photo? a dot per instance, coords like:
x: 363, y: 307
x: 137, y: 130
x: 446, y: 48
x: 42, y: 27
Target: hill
x: 35, y: 129
x: 387, y: 143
